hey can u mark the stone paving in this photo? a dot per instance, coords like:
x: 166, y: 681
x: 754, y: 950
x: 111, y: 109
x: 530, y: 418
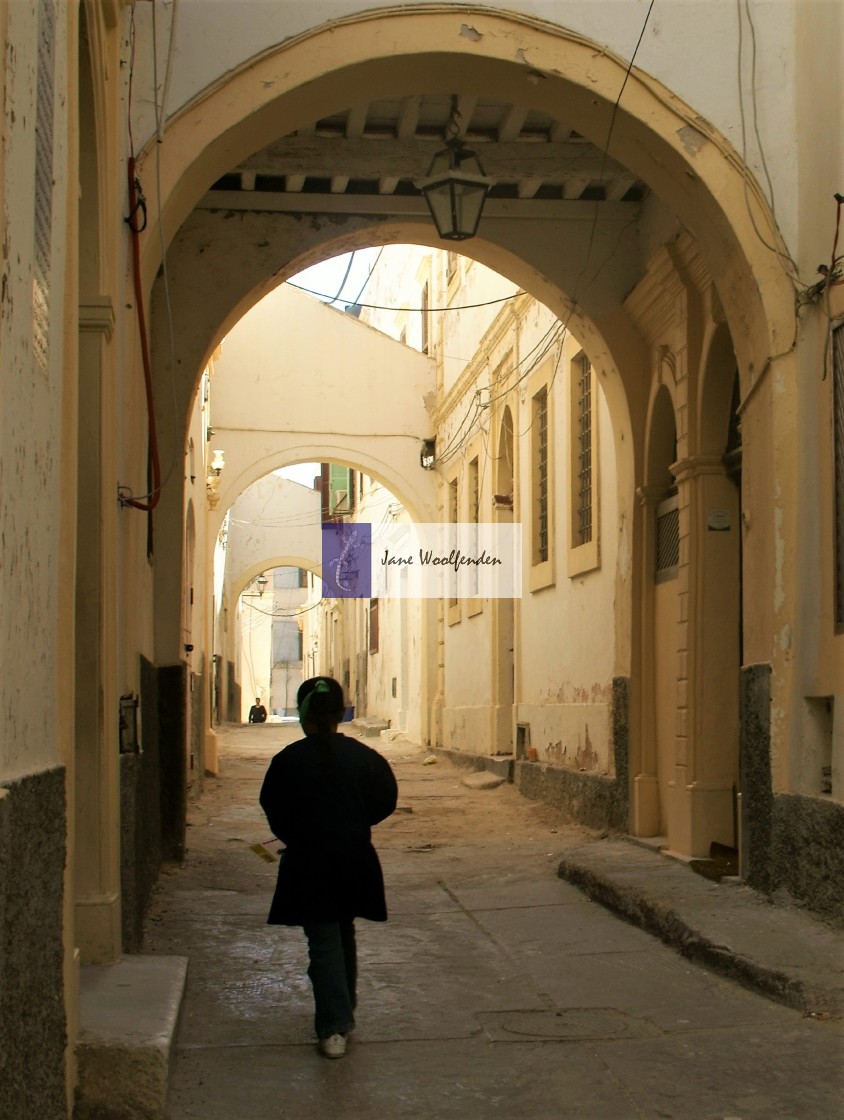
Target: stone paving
x: 496, y: 988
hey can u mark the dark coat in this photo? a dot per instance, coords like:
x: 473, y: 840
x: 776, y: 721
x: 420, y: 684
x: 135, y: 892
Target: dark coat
x: 321, y: 796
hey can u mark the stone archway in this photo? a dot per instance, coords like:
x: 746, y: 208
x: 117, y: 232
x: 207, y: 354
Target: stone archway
x: 684, y: 160
x: 654, y: 763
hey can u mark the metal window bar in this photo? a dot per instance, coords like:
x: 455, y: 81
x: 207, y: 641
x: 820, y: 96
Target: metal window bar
x: 541, y: 400
x: 453, y: 510
x: 584, y: 453
x: 475, y: 512
x: 424, y: 313
x: 838, y: 405
x: 43, y: 185
x: 374, y: 636
x: 667, y: 538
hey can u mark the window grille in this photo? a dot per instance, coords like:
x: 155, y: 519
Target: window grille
x: 584, y: 452
x: 540, y: 420
x: 838, y: 404
x: 474, y: 514
x: 424, y: 311
x: 453, y: 509
x: 43, y: 186
x: 373, y: 626
x: 667, y: 538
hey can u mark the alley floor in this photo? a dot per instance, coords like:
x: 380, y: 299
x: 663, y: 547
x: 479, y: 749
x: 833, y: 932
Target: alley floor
x: 495, y: 989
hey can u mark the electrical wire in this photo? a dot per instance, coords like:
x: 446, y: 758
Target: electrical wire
x: 832, y: 278
x: 431, y: 310
x: 372, y: 267
x: 137, y: 203
x: 168, y: 73
x: 554, y: 326
x: 759, y: 144
x: 130, y: 81
x: 345, y: 278
x: 165, y: 271
x: 558, y: 330
x: 605, y: 157
x: 790, y: 266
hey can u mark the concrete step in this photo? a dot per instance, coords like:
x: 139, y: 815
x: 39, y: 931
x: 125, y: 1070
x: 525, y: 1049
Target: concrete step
x: 364, y: 725
x: 499, y: 764
x: 128, y: 1016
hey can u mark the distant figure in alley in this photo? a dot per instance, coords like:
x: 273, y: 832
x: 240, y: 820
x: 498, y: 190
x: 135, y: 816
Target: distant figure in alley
x: 257, y: 713
x: 321, y: 796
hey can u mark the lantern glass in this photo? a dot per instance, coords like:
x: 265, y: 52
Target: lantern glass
x: 455, y: 190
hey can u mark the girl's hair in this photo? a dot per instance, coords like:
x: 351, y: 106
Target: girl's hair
x: 320, y: 700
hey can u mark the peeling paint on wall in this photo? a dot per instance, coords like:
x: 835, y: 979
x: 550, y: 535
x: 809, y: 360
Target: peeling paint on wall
x: 691, y: 139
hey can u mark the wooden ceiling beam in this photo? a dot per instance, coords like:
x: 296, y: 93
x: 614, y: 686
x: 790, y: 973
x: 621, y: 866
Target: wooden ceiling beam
x: 409, y: 159
x: 411, y: 205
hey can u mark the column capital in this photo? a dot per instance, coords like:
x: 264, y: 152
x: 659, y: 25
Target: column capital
x: 695, y: 465
x: 97, y: 314
x: 650, y: 495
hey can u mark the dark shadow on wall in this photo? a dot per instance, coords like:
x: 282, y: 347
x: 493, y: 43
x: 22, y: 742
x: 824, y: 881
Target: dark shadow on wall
x: 153, y: 794
x: 790, y: 841
x: 33, y: 1028
x: 232, y: 713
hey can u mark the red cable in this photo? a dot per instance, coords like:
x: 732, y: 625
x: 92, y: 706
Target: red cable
x: 134, y: 206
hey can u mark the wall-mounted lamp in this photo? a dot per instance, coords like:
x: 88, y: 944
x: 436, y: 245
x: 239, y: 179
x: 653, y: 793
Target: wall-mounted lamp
x: 213, y: 479
x: 428, y: 454
x: 455, y: 187
x: 262, y: 582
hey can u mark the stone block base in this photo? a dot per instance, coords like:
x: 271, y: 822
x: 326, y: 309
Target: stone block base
x: 128, y: 1016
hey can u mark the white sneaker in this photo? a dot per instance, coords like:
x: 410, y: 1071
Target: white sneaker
x: 334, y: 1046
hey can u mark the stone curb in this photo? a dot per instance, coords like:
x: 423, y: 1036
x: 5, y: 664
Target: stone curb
x: 662, y: 917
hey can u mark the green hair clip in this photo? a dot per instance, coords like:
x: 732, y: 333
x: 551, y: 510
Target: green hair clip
x: 320, y: 686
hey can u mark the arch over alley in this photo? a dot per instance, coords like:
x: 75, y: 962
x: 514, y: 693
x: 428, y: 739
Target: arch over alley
x: 601, y: 267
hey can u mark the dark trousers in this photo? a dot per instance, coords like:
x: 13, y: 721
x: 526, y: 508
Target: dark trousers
x: 333, y: 972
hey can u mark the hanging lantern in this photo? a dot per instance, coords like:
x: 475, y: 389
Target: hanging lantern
x: 455, y: 190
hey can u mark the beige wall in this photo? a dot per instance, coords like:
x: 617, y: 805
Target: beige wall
x: 297, y: 381
x: 36, y: 425
x: 236, y: 86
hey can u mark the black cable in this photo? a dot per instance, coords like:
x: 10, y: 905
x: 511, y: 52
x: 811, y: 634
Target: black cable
x: 345, y: 278
x: 433, y: 310
x: 607, y: 148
